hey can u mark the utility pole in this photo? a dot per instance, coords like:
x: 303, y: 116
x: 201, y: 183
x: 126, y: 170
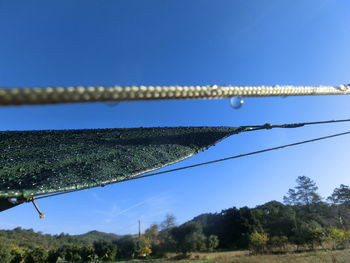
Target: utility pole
x: 139, y: 228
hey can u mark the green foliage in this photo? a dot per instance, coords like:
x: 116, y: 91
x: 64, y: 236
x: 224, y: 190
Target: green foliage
x: 105, y: 250
x: 258, y: 242
x: 126, y: 247
x: 304, y: 227
x: 36, y: 255
x: 152, y: 234
x: 143, y: 247
x: 189, y: 237
x: 169, y: 222
x: 52, y: 256
x: 232, y: 226
x: 338, y: 237
x: 5, y: 252
x: 304, y: 193
x: 310, y: 234
x: 72, y: 254
x: 212, y: 242
x: 18, y: 254
x: 316, y: 236
x: 30, y: 239
x: 87, y: 253
x: 340, y: 195
x: 278, y: 242
x: 276, y: 218
x: 90, y: 237
x: 166, y: 242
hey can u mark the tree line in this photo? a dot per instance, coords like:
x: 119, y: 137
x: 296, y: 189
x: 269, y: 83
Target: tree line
x: 304, y: 221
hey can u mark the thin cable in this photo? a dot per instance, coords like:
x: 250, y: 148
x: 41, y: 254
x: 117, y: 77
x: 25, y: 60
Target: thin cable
x: 289, y: 125
x: 79, y: 94
x: 213, y: 161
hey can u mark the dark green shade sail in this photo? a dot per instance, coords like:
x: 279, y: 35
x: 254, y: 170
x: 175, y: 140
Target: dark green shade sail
x: 41, y: 162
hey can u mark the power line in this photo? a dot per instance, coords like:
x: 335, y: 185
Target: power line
x: 214, y: 161
x: 79, y: 94
x: 241, y: 155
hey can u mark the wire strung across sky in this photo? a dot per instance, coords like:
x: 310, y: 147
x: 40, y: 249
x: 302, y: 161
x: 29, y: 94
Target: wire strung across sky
x: 243, y: 129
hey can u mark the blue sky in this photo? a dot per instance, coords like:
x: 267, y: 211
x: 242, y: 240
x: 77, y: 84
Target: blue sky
x: 179, y: 42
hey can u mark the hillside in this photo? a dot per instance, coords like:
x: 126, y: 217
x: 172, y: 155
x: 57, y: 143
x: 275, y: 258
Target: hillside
x: 30, y: 239
x: 94, y: 235
x: 303, y: 222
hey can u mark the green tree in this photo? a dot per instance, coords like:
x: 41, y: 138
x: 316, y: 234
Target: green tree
x: 52, y: 256
x: 189, y: 237
x: 143, y: 247
x: 310, y: 234
x: 72, y: 254
x: 5, y: 252
x: 304, y: 193
x: 152, y: 234
x: 166, y: 240
x: 276, y: 218
x: 316, y: 237
x: 340, y: 199
x: 169, y: 222
x: 17, y: 254
x: 257, y: 242
x: 36, y: 255
x: 340, y: 195
x: 337, y: 236
x: 87, y: 253
x: 278, y: 242
x: 107, y: 251
x: 235, y: 227
x: 126, y: 247
x: 212, y: 242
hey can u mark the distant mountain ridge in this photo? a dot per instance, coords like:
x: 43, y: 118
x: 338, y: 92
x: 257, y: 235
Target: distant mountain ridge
x: 31, y: 239
x: 94, y: 235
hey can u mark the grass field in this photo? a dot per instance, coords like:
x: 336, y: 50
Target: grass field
x: 340, y: 256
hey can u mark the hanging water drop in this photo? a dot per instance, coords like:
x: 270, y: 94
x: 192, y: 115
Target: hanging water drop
x: 236, y: 102
x: 344, y: 87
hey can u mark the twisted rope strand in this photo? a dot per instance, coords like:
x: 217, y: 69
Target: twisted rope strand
x: 79, y: 94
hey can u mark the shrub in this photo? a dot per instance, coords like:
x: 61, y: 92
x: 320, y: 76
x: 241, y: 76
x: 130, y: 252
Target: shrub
x: 37, y: 255
x: 257, y: 242
x: 337, y: 236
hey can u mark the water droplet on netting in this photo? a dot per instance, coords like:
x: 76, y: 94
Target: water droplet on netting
x: 236, y: 102
x: 111, y: 104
